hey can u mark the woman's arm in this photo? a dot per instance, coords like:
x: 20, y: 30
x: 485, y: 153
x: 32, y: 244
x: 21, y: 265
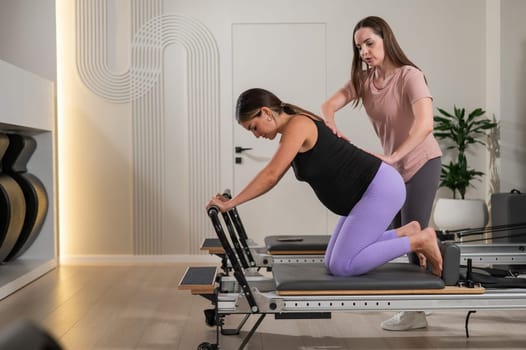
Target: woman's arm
x: 423, y: 112
x: 297, y: 132
x: 336, y: 102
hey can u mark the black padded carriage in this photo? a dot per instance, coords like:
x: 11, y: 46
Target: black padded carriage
x: 314, y: 279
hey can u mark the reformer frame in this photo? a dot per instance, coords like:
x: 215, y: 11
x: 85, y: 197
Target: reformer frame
x: 256, y: 295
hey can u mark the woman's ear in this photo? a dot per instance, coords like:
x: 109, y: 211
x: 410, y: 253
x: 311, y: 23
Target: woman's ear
x: 267, y: 113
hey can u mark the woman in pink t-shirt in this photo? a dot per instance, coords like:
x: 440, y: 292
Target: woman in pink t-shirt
x: 396, y: 97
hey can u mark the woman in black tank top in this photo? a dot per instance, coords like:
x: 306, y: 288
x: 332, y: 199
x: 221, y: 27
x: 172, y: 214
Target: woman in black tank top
x: 352, y: 183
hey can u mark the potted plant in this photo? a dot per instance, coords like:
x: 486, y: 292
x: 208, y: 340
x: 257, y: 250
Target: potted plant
x: 459, y: 131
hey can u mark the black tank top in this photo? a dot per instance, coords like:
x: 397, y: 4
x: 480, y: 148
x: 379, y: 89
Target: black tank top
x: 338, y: 171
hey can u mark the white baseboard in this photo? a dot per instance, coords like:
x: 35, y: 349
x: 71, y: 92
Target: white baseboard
x: 137, y: 259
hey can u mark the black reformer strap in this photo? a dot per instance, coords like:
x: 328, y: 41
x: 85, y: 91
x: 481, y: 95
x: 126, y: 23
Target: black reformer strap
x: 213, y: 213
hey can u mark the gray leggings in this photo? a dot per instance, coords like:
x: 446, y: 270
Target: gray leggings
x: 420, y: 194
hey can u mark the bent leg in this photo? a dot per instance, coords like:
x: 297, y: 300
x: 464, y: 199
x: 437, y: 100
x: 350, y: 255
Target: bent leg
x: 421, y: 190
x: 389, y: 234
x: 332, y: 241
x: 362, y: 243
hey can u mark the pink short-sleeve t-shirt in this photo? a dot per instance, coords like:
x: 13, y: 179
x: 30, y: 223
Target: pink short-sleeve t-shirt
x: 391, y: 115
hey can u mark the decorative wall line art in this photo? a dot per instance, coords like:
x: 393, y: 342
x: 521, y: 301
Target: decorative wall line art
x: 142, y: 86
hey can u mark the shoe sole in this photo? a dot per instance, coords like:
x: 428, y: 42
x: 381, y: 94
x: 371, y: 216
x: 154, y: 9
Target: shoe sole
x: 403, y: 329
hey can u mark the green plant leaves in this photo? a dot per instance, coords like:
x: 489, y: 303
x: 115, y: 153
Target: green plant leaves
x: 458, y: 132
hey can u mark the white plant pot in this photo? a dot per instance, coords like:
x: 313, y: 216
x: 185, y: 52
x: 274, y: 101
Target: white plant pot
x: 454, y: 214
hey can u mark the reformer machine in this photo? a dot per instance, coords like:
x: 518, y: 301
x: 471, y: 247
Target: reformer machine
x: 307, y: 291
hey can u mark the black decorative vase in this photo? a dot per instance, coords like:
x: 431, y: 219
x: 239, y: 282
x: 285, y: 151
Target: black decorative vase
x: 12, y: 206
x: 20, y: 150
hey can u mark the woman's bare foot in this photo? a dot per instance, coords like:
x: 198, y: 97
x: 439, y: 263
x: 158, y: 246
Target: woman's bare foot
x: 422, y: 259
x: 409, y: 229
x: 426, y: 244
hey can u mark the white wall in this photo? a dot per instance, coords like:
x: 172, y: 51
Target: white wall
x: 512, y: 89
x: 27, y: 36
x: 446, y: 38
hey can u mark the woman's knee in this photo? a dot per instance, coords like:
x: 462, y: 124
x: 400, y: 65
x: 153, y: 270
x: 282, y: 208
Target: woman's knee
x: 336, y: 267
x: 343, y: 268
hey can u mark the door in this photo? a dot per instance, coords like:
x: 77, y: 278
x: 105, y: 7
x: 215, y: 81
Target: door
x: 289, y: 60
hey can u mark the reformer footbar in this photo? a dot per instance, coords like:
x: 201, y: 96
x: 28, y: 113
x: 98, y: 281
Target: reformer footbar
x: 248, y: 295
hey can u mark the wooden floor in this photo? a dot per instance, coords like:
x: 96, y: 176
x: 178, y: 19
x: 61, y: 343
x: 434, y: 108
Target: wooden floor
x: 139, y: 307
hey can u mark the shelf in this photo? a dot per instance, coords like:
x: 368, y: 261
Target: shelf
x: 21, y: 272
x: 27, y: 106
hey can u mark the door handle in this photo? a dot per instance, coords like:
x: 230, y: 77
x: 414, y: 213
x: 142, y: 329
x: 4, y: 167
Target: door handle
x: 240, y: 149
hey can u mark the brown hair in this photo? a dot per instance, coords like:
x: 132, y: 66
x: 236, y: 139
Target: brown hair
x: 392, y: 49
x: 251, y: 100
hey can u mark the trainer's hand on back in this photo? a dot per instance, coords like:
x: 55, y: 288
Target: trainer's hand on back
x: 329, y: 121
x: 383, y: 158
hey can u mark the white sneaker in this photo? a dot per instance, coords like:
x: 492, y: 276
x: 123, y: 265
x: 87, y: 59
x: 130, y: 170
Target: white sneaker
x: 405, y: 320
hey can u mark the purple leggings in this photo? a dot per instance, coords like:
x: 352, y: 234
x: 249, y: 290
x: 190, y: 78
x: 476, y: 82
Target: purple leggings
x: 360, y: 242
